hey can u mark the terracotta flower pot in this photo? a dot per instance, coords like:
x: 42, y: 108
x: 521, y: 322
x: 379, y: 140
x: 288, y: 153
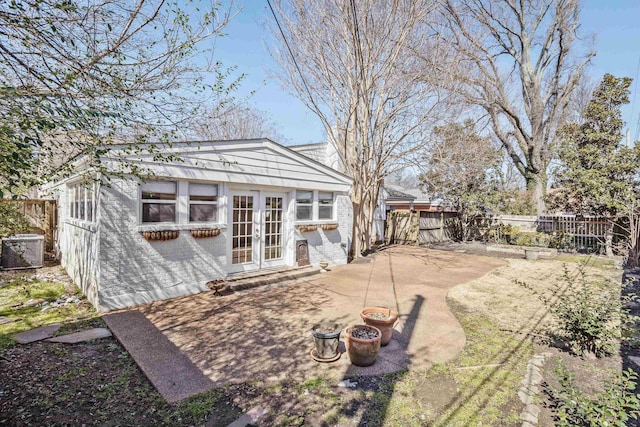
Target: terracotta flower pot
x: 363, y: 351
x: 381, y: 318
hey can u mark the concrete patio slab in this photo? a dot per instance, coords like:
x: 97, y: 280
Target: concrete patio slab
x: 37, y: 334
x: 89, y: 334
x: 264, y: 334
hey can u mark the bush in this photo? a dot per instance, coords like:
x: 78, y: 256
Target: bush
x: 560, y: 240
x: 513, y: 236
x: 592, y: 314
x: 614, y: 406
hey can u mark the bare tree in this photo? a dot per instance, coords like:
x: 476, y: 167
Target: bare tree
x: 353, y: 64
x: 517, y: 62
x: 77, y: 75
x: 238, y: 122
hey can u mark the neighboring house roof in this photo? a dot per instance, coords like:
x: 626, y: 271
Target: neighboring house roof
x: 415, y: 193
x: 413, y: 197
x: 252, y: 161
x: 392, y: 192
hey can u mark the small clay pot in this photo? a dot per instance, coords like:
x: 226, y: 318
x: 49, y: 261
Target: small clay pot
x: 385, y: 325
x: 362, y: 352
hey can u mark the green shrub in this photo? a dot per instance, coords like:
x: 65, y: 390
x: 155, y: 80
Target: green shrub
x: 592, y: 313
x: 613, y: 406
x: 513, y: 236
x: 560, y: 240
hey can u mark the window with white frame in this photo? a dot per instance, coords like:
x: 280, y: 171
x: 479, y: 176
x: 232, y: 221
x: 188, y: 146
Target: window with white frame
x: 82, y: 201
x: 90, y: 201
x: 304, y: 205
x: 325, y: 205
x: 159, y: 201
x: 71, y: 200
x: 203, y: 202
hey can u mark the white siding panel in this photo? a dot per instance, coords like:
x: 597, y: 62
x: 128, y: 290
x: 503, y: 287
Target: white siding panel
x: 261, y: 162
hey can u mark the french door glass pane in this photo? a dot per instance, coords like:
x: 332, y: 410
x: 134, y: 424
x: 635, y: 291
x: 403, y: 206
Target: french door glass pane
x: 242, y: 247
x: 273, y: 228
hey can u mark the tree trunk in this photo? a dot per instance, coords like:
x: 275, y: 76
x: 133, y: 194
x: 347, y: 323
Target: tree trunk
x: 537, y: 184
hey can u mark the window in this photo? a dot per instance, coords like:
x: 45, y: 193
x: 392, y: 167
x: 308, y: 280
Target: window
x: 90, y: 203
x: 325, y: 205
x: 203, y: 202
x: 71, y: 196
x: 304, y: 205
x: 159, y: 201
x: 82, y: 201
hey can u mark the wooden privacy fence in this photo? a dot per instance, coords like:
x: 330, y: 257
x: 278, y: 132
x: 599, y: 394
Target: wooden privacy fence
x: 417, y: 227
x: 43, y: 219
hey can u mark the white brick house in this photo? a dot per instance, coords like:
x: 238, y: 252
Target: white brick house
x: 227, y: 207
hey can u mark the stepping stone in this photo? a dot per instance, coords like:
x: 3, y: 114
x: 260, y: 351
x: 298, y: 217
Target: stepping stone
x: 635, y: 359
x: 37, y: 334
x: 4, y: 320
x: 90, y: 334
x: 251, y: 418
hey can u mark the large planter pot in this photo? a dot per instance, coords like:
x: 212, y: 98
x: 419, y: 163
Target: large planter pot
x: 362, y: 351
x: 326, y: 338
x: 381, y: 318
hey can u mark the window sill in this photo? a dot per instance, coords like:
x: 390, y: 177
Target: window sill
x: 80, y: 223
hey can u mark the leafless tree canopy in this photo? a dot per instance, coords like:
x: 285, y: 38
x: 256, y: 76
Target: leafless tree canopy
x: 354, y: 64
x: 238, y: 122
x: 517, y: 61
x: 77, y: 73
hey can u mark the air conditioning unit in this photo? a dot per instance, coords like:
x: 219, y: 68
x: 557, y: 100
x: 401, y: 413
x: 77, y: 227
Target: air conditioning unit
x: 22, y: 251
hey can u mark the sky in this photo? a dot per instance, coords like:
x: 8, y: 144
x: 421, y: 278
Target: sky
x: 614, y: 24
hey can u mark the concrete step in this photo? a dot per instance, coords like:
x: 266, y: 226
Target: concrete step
x: 242, y: 281
x: 239, y: 283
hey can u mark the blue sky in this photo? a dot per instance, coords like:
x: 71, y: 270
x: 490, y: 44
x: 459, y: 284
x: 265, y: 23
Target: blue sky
x: 614, y: 23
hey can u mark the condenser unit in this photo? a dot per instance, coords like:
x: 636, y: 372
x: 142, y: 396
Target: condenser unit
x: 22, y: 251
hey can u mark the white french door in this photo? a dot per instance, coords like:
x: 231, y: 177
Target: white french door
x: 257, y: 230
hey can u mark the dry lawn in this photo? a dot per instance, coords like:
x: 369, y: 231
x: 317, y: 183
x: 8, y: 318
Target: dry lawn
x: 516, y: 309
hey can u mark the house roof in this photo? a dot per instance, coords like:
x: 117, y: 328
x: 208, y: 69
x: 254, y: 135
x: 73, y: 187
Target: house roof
x: 250, y: 161
x: 394, y: 193
x: 409, y: 193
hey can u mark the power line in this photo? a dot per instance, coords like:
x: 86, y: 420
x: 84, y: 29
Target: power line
x: 293, y: 57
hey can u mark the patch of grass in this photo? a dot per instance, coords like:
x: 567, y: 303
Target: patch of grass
x: 318, y: 385
x: 196, y: 409
x: 487, y: 395
x: 290, y: 421
x: 588, y: 260
x: 15, y: 295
